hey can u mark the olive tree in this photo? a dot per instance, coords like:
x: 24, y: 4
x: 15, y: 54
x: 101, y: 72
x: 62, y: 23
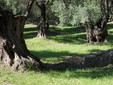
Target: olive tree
x: 43, y: 25
x: 94, y: 14
x: 13, y: 50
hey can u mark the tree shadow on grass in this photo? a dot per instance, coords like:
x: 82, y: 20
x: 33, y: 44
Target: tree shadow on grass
x: 72, y: 67
x: 62, y: 36
x: 72, y: 39
x: 67, y: 60
x: 30, y: 35
x: 96, y: 73
x: 110, y: 34
x: 63, y: 66
x: 54, y: 31
x: 93, y: 73
x: 30, y: 29
x: 30, y: 32
x: 94, y: 50
x: 110, y: 38
x: 50, y: 54
x: 110, y: 26
x: 68, y: 35
x: 74, y: 30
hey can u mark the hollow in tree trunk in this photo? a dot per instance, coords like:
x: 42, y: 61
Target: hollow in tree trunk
x: 98, y: 32
x: 13, y: 50
x: 43, y: 24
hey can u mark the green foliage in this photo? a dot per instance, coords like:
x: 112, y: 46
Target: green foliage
x: 16, y: 6
x: 34, y: 15
x: 77, y: 12
x: 88, y: 11
x: 60, y: 9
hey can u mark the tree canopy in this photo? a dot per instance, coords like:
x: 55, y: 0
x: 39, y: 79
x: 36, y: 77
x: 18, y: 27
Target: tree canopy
x: 82, y: 11
x: 16, y: 6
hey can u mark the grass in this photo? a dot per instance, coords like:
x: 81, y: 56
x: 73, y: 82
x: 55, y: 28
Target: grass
x: 61, y: 42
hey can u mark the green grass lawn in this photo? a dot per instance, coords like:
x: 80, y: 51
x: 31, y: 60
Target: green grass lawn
x: 61, y: 42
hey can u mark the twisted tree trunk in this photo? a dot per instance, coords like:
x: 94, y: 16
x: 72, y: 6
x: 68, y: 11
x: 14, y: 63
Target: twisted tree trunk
x: 43, y: 24
x: 98, y: 32
x: 13, y: 50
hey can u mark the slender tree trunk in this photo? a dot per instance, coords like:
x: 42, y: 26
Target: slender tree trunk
x: 13, y: 50
x: 98, y: 32
x: 43, y: 24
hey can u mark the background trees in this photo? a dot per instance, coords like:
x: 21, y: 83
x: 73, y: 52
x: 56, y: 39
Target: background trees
x: 94, y: 15
x: 17, y: 7
x: 43, y: 24
x: 98, y: 29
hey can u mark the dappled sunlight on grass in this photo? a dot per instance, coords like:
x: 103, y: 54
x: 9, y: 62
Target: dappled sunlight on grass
x: 66, y: 41
x: 59, y: 44
x: 95, y: 76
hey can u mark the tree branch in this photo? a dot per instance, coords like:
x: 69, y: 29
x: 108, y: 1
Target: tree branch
x: 38, y: 5
x: 46, y: 2
x: 29, y: 7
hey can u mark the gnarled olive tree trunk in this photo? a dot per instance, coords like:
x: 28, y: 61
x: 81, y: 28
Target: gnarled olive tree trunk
x: 43, y: 24
x: 13, y: 50
x: 98, y: 32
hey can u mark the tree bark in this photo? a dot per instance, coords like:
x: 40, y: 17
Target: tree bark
x: 97, y: 33
x: 43, y: 24
x: 13, y: 50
